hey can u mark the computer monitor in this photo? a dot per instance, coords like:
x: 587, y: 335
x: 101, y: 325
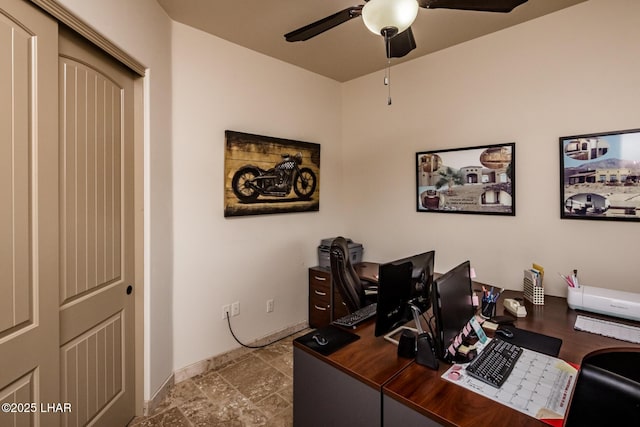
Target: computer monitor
x: 452, y: 304
x: 421, y: 278
x: 394, y: 291
x: 401, y: 282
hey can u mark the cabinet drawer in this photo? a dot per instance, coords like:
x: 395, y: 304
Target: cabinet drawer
x: 319, y: 307
x: 319, y: 278
x: 319, y: 304
x: 321, y: 294
x: 318, y: 318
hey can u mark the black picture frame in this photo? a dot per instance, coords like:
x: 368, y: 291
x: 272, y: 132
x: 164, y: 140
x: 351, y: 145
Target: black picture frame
x: 469, y: 180
x: 600, y: 176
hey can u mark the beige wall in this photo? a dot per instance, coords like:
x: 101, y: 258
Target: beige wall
x: 575, y: 71
x: 217, y: 86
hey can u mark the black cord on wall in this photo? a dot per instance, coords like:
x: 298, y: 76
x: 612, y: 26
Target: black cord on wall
x: 253, y: 346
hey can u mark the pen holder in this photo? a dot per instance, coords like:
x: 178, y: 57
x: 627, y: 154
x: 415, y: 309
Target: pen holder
x: 488, y: 309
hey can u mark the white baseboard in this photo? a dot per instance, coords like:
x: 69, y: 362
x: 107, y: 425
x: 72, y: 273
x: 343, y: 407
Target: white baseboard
x: 150, y: 405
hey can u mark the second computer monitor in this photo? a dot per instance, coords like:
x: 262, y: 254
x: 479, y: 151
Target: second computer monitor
x: 452, y: 304
x: 400, y: 283
x: 421, y: 278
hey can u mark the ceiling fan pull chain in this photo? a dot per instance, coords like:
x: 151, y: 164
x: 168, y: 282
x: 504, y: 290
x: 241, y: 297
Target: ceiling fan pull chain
x: 388, y: 83
x: 387, y: 72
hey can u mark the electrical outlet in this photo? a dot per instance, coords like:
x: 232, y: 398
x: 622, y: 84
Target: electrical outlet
x: 235, y: 308
x: 269, y: 306
x: 226, y: 309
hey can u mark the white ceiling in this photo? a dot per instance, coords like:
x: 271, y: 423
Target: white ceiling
x: 349, y: 50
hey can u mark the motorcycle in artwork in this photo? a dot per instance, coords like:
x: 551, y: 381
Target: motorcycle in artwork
x: 270, y: 175
x: 250, y: 182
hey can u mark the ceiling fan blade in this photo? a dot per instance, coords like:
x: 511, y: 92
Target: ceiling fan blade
x: 503, y: 6
x: 401, y: 44
x: 322, y: 25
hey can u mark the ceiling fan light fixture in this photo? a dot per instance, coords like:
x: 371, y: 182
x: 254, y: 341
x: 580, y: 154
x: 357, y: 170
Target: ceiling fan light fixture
x: 389, y: 16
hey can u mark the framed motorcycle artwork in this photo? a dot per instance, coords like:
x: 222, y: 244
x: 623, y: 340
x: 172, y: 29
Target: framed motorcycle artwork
x: 267, y: 175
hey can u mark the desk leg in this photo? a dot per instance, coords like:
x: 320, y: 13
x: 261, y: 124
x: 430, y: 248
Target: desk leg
x: 324, y: 396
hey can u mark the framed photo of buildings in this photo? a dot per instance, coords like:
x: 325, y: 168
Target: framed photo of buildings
x: 600, y: 176
x: 473, y: 180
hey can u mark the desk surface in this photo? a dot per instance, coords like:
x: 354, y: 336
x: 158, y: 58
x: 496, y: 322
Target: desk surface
x: 423, y: 390
x: 374, y: 361
x: 371, y: 359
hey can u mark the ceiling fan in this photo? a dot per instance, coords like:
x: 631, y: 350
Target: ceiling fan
x: 393, y: 18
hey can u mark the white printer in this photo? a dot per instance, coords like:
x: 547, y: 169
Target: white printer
x: 605, y: 301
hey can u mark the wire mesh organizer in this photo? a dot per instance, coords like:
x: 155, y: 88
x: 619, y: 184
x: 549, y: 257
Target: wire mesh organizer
x: 533, y: 289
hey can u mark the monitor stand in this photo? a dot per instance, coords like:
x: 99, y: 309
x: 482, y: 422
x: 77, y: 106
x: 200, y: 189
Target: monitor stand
x: 393, y: 336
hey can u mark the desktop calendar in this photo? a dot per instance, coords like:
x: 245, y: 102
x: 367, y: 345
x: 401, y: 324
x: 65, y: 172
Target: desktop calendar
x: 539, y: 386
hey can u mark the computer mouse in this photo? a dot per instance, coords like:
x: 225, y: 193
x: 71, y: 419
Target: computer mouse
x: 321, y: 340
x: 505, y: 333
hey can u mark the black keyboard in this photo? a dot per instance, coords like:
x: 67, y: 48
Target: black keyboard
x: 353, y: 319
x: 495, y: 362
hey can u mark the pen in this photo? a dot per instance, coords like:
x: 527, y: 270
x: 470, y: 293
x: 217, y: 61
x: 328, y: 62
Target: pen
x: 566, y: 279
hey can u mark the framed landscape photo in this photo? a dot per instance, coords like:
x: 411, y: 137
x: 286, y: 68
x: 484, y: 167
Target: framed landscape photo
x: 600, y: 176
x: 473, y: 180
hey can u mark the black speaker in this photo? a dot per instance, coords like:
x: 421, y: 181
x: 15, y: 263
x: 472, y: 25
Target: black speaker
x: 426, y: 352
x: 407, y: 344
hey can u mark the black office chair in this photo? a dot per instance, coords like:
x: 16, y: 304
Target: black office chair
x: 354, y: 292
x: 607, y: 391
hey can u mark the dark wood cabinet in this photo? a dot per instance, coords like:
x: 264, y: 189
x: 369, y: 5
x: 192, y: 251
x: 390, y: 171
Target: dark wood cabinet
x: 325, y: 303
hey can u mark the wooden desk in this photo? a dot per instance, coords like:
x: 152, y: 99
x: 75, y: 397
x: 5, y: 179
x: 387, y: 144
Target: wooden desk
x: 344, y: 388
x: 417, y: 396
x: 367, y: 271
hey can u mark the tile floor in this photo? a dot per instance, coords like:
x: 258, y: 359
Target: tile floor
x: 255, y: 389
